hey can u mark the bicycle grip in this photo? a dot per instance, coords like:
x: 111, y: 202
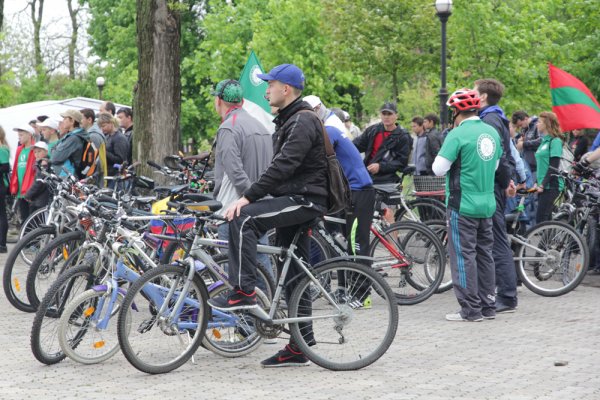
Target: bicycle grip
x: 154, y: 165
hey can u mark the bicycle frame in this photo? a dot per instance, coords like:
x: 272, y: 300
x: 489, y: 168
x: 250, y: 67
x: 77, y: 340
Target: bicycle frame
x: 376, y: 229
x: 197, y: 252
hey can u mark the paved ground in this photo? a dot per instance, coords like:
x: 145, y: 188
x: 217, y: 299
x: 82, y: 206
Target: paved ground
x: 512, y: 357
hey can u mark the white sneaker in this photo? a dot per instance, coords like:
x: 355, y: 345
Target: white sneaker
x: 270, y: 341
x: 458, y: 317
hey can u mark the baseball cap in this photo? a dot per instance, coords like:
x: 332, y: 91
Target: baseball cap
x: 73, y: 114
x: 41, y: 145
x: 49, y: 123
x: 312, y: 100
x: 229, y: 90
x: 285, y: 73
x: 24, y: 127
x: 390, y: 107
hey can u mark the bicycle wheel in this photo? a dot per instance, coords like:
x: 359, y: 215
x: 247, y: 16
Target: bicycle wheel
x: 157, y: 343
x: 352, y: 328
x: 440, y: 229
x: 411, y: 259
x: 424, y: 209
x: 83, y: 335
x: 44, y: 331
x: 34, y: 221
x: 16, y: 268
x: 49, y: 263
x: 228, y: 339
x: 562, y: 268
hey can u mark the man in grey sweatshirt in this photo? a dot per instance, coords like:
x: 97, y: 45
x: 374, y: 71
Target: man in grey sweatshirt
x: 243, y: 151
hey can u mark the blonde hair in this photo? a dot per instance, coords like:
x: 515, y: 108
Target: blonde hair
x: 3, y: 141
x: 106, y: 118
x: 552, y: 125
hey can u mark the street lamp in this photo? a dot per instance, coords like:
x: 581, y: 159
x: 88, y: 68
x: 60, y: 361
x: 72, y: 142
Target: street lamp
x: 100, y: 83
x: 444, y: 10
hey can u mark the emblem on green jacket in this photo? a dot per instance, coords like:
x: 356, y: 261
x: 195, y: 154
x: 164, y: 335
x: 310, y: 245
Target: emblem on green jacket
x: 486, y: 147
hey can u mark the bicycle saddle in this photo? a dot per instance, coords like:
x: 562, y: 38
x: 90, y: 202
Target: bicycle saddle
x: 197, y: 197
x: 386, y: 187
x: 166, y: 190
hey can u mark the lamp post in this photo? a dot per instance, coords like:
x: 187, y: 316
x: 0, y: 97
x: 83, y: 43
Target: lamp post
x: 443, y: 9
x: 100, y: 83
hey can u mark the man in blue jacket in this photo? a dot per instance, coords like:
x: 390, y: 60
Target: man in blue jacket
x: 360, y: 215
x: 490, y: 92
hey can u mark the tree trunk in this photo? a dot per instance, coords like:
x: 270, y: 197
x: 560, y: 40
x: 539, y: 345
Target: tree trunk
x: 157, y: 97
x: 395, y: 88
x: 1, y: 14
x: 73, y: 44
x: 37, y: 9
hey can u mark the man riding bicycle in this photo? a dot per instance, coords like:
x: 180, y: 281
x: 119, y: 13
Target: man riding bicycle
x: 296, y: 178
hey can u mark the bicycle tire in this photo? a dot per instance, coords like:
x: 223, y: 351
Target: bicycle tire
x: 130, y: 329
x: 43, y: 338
x: 16, y: 269
x: 554, y: 276
x: 50, y: 262
x: 341, y: 343
x: 439, y: 227
x: 78, y: 335
x: 417, y: 272
x: 34, y: 221
x: 424, y: 209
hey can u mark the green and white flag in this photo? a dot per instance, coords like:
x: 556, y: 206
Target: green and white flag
x: 254, y: 92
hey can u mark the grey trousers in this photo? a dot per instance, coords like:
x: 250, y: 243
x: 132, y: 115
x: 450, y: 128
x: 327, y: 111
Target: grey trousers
x: 470, y: 242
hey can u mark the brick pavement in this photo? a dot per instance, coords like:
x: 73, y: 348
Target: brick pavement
x: 509, y: 358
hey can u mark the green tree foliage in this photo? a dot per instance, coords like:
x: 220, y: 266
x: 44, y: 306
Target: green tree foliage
x: 394, y: 42
x: 355, y: 53
x: 511, y: 41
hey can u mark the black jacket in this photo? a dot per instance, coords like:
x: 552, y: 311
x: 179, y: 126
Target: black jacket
x: 393, y: 154
x: 434, y: 143
x: 38, y: 194
x: 299, y: 165
x: 117, y: 151
x: 531, y: 142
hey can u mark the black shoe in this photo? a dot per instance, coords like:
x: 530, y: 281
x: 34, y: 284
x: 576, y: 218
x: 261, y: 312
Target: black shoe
x: 3, y: 249
x: 236, y: 301
x: 488, y: 314
x: 503, y: 309
x: 286, y: 358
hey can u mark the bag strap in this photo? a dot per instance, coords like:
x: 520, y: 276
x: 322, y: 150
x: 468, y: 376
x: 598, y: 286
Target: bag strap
x: 328, y: 147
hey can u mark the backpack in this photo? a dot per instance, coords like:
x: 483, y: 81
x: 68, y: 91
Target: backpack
x: 566, y: 159
x: 340, y: 196
x: 89, y: 155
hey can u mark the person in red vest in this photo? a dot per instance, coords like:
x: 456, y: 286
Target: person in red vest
x: 23, y: 172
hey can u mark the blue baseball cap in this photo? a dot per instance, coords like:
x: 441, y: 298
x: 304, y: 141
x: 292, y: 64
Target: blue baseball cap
x: 285, y: 73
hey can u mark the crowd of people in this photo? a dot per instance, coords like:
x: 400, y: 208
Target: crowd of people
x: 278, y: 179
x: 484, y: 156
x: 59, y: 143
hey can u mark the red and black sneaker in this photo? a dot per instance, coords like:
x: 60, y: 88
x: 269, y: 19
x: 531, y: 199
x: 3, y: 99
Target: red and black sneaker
x: 288, y: 357
x: 238, y: 300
